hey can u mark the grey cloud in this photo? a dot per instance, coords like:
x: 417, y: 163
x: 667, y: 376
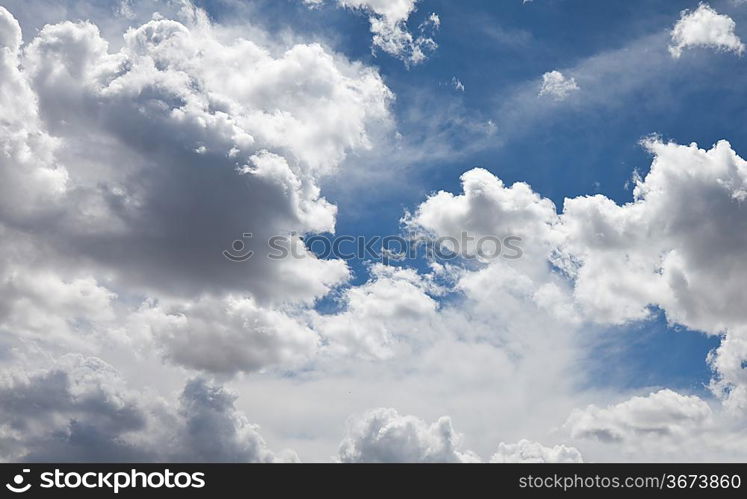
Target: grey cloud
x: 230, y: 336
x: 215, y: 432
x: 81, y: 410
x: 108, y: 192
x: 72, y: 412
x: 135, y: 124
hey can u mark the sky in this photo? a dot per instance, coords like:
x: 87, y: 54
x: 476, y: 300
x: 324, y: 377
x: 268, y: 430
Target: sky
x: 151, y: 150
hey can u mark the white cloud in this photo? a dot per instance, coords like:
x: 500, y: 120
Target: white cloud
x: 704, y: 27
x: 44, y: 304
x: 729, y: 363
x: 30, y: 178
x: 489, y: 208
x: 662, y: 426
x: 388, y: 20
x: 664, y: 413
x: 385, y: 436
x: 382, y: 316
x: 556, y: 85
x: 457, y: 83
x: 226, y: 335
x: 676, y: 246
x: 532, y: 452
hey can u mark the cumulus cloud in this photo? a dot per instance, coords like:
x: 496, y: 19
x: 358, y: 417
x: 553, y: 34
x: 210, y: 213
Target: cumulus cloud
x: 64, y: 309
x: 81, y: 409
x: 110, y: 161
x: 385, y: 436
x: 704, y: 27
x: 664, y: 425
x: 397, y: 312
x: 558, y: 86
x: 388, y: 20
x: 75, y: 411
x: 214, y: 431
x: 30, y: 177
x: 226, y: 335
x: 169, y: 91
x: 110, y: 165
x: 520, y: 279
x: 533, y: 452
x: 382, y: 317
x: 729, y: 363
x: 677, y: 246
x: 663, y: 413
